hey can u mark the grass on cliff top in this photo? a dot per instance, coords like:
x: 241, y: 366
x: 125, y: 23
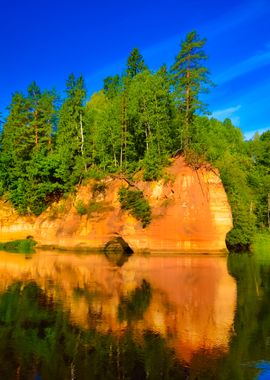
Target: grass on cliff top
x: 19, y: 246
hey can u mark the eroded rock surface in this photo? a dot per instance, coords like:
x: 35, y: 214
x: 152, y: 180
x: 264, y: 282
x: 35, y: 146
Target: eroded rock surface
x: 190, y: 213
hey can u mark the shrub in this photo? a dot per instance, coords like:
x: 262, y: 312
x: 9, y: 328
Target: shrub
x: 95, y: 173
x: 19, y: 246
x: 153, y: 166
x: 81, y: 208
x: 94, y: 207
x: 134, y: 201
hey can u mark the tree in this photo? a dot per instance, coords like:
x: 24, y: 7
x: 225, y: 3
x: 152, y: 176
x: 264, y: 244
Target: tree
x: 27, y: 170
x: 135, y: 63
x: 34, y: 95
x: 189, y: 80
x: 259, y: 177
x: 17, y: 141
x: 150, y: 119
x: 112, y: 85
x: 43, y: 115
x: 105, y: 130
x: 70, y: 149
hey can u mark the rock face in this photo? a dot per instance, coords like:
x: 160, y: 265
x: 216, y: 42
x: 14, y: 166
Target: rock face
x: 190, y: 213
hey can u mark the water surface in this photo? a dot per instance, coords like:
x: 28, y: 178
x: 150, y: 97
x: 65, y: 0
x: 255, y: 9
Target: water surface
x: 91, y: 316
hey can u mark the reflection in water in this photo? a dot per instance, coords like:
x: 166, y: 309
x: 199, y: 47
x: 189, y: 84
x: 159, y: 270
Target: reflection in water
x: 251, y: 340
x: 265, y: 367
x: 135, y: 304
x: 192, y: 298
x: 67, y: 316
x: 117, y: 258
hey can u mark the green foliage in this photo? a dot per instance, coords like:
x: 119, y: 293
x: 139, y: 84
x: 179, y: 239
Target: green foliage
x: 242, y: 234
x: 134, y: 201
x: 112, y: 86
x: 91, y: 208
x: 70, y: 140
x: 81, y: 208
x: 153, y: 166
x: 19, y: 246
x: 235, y: 166
x: 97, y: 207
x: 135, y: 63
x: 95, y: 173
x: 27, y: 167
x: 261, y: 244
x: 190, y: 78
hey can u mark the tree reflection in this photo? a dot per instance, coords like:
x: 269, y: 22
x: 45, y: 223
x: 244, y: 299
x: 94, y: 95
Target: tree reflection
x: 133, y: 306
x: 38, y: 341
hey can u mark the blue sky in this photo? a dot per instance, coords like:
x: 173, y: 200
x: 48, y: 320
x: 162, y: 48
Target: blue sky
x: 45, y: 40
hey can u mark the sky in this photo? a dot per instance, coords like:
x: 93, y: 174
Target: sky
x: 46, y: 40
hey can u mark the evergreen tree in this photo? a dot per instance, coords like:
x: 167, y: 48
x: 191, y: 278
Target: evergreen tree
x: 17, y: 141
x: 112, y: 86
x: 34, y: 95
x: 26, y: 143
x: 135, y: 63
x: 190, y: 78
x: 70, y: 149
x: 43, y: 115
x: 43, y: 185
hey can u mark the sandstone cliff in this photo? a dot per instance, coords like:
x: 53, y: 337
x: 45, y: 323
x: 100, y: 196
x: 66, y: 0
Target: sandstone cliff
x: 190, y: 213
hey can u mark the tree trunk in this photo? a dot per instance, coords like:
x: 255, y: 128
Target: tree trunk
x: 268, y: 210
x: 82, y: 140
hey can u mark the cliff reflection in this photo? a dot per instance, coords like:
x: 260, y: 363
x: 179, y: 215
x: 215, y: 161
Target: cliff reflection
x: 188, y: 300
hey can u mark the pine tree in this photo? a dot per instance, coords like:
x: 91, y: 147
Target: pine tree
x: 70, y: 150
x: 112, y: 86
x: 43, y: 185
x: 27, y: 170
x: 34, y: 95
x: 43, y: 115
x: 135, y: 63
x: 17, y: 140
x: 190, y: 78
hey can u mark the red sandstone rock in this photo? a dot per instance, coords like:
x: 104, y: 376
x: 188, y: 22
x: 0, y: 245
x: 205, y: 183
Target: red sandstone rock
x: 190, y: 213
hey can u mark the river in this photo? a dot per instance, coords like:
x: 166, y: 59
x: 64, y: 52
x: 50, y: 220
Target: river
x: 91, y: 316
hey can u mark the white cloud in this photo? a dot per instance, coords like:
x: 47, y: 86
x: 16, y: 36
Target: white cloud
x: 228, y: 113
x: 248, y: 65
